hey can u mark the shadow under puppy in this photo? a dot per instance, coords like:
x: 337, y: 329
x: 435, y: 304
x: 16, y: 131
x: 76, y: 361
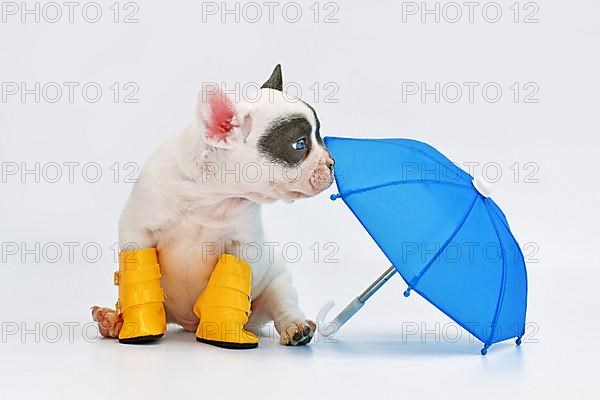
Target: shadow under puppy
x: 188, y: 217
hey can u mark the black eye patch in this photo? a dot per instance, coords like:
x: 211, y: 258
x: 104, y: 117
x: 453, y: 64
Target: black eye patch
x: 277, y: 144
x: 317, y: 131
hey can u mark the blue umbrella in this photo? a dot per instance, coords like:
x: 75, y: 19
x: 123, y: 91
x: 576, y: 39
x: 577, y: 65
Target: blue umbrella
x: 449, y: 241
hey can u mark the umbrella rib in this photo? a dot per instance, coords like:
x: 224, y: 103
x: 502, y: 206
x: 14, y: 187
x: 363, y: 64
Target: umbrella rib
x: 514, y: 240
x: 416, y: 279
x: 503, y: 284
x: 398, y: 183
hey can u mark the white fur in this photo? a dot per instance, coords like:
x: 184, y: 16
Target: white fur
x: 192, y: 214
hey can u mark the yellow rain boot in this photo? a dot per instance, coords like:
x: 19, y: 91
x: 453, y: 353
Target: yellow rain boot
x: 224, y: 306
x: 140, y: 297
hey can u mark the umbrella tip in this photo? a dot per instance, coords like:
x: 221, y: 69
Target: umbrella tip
x: 407, y: 292
x: 335, y: 196
x: 518, y: 341
x: 485, y: 349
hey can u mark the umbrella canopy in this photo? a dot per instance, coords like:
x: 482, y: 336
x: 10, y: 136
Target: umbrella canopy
x: 451, y: 244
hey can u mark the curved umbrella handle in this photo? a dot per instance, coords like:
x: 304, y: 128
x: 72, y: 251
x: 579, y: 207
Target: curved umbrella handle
x: 321, y: 318
x: 328, y: 329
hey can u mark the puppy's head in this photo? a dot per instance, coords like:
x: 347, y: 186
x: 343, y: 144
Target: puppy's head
x: 271, y: 142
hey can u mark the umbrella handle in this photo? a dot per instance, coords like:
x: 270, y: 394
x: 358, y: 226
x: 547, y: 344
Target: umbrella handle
x: 328, y: 329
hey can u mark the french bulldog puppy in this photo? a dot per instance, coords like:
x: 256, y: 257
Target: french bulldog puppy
x: 200, y: 195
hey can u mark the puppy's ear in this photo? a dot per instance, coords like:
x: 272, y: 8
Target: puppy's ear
x: 275, y: 81
x: 218, y: 114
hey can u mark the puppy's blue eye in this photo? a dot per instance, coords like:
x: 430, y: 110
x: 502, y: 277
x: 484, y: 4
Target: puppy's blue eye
x: 300, y: 144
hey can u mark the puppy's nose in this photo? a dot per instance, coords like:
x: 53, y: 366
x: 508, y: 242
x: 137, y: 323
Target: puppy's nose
x: 329, y: 163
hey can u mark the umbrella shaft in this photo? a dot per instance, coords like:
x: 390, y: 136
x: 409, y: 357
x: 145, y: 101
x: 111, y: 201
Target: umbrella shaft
x: 375, y: 286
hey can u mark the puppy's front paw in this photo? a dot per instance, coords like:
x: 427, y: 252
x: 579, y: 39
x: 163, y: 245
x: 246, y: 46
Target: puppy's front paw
x: 109, y: 322
x: 297, y: 333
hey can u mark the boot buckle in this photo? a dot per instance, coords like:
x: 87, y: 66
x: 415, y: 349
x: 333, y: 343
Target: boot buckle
x: 116, y: 278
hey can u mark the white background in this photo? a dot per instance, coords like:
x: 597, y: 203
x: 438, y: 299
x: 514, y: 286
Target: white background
x: 367, y: 57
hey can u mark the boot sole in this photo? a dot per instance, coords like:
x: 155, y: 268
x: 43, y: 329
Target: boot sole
x: 228, y: 345
x: 141, y: 339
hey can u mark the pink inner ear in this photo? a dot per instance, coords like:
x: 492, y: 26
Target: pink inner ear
x: 220, y: 125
